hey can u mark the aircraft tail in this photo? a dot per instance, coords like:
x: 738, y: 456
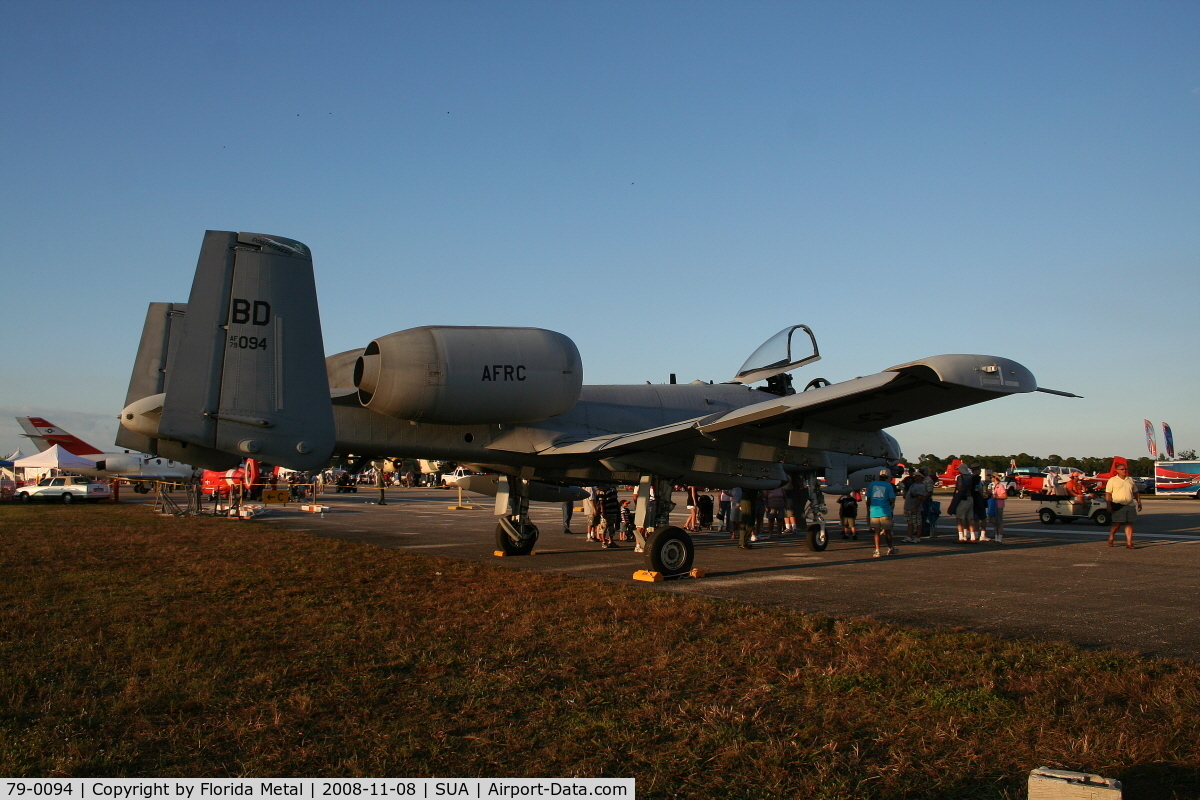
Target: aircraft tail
x: 1112, y: 469
x: 240, y: 370
x: 45, y: 435
x: 951, y: 472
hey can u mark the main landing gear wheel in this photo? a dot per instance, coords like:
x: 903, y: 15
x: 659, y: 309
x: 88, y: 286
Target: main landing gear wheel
x: 1102, y: 517
x: 818, y: 539
x: 1047, y: 516
x: 670, y: 551
x: 814, y: 519
x: 516, y: 540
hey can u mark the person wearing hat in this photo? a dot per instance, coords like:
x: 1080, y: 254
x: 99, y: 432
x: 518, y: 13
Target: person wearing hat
x: 881, y: 496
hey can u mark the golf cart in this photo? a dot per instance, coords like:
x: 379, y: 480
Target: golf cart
x: 1060, y: 508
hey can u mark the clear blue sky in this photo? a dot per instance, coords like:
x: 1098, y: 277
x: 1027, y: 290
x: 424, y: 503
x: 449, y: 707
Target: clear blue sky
x: 666, y: 183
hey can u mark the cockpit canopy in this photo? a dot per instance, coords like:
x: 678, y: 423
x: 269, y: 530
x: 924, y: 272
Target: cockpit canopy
x: 783, y: 352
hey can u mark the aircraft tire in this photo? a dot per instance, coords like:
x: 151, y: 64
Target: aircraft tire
x: 1047, y: 516
x: 818, y: 537
x: 525, y: 539
x: 670, y: 551
x: 1102, y: 517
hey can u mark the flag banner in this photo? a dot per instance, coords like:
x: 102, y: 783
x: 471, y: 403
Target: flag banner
x: 1151, y: 441
x: 1168, y: 441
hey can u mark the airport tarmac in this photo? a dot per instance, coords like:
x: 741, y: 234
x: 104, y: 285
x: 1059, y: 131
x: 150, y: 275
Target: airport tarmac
x: 1046, y: 582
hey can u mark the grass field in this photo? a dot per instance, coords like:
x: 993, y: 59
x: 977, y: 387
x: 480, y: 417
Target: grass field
x: 134, y: 645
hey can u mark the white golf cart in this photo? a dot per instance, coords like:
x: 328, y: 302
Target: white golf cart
x: 1060, y: 508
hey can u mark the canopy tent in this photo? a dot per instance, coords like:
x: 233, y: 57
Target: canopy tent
x: 55, y: 457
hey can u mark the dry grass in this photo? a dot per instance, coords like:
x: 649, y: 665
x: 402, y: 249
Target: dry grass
x: 134, y: 645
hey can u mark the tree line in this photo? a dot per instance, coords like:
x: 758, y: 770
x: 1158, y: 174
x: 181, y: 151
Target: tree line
x: 1138, y: 467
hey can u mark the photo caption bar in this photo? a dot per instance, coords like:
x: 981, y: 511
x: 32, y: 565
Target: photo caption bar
x: 364, y: 788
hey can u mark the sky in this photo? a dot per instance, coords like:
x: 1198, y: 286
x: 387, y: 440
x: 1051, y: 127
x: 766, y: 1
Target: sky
x: 667, y: 183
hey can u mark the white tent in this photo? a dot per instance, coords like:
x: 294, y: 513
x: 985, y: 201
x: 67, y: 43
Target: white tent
x: 55, y: 457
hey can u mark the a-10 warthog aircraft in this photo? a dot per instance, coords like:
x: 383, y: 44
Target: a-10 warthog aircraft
x: 240, y: 371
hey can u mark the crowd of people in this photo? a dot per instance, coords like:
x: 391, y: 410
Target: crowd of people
x: 976, y: 504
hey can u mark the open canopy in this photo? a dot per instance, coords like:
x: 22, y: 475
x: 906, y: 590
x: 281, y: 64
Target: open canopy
x: 56, y: 457
x: 779, y: 354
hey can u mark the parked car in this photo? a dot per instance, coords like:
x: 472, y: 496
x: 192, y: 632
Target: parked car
x: 1145, y: 485
x: 67, y: 490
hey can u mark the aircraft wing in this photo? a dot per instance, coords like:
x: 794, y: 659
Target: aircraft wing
x: 897, y: 395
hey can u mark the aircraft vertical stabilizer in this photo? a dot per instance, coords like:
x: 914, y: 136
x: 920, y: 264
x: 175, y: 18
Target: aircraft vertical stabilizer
x: 161, y: 330
x: 254, y: 382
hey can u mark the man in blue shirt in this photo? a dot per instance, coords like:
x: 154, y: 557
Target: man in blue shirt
x: 881, y: 496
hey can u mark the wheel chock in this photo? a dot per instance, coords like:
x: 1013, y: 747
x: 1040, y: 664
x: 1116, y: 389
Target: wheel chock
x: 655, y: 577
x: 502, y: 554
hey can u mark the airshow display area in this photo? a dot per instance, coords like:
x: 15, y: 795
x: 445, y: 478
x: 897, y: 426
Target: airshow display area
x: 494, y: 400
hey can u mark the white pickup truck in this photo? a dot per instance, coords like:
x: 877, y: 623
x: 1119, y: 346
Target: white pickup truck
x: 450, y: 479
x: 67, y: 490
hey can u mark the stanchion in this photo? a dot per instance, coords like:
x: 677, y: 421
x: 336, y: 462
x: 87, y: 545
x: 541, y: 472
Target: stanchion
x: 459, y: 505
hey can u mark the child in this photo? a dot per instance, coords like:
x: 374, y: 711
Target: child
x: 849, y: 513
x: 626, y: 521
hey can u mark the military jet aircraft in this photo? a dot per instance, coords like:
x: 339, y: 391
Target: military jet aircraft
x: 240, y: 371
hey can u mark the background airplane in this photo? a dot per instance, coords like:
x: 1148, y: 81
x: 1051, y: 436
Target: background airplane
x: 240, y: 371
x: 136, y: 468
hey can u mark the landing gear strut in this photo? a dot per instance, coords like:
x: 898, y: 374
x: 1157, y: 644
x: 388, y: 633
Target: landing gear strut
x: 669, y: 550
x: 515, y: 533
x: 814, y: 516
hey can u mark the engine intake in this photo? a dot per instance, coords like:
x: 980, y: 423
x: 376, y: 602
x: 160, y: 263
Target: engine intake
x: 470, y: 375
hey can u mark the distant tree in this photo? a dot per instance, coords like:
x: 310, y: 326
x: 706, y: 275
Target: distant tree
x: 1053, y: 459
x: 1026, y: 460
x: 1187, y: 455
x: 1142, y: 467
x: 931, y: 462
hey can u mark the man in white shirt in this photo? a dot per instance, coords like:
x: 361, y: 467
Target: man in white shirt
x: 1121, y: 495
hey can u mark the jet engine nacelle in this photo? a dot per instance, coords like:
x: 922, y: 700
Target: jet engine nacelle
x: 121, y: 464
x: 470, y: 375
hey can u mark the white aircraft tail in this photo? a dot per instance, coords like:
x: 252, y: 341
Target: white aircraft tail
x: 44, y: 434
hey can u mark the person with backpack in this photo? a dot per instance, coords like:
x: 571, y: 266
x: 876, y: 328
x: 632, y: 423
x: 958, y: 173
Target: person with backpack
x: 848, y: 512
